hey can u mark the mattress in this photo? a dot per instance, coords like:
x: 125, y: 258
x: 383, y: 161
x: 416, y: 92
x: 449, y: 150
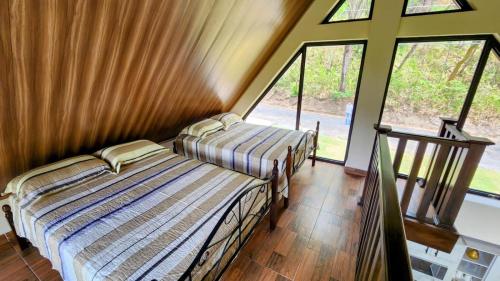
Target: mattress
x: 249, y: 149
x: 147, y: 222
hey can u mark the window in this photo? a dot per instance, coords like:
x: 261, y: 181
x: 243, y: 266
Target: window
x: 279, y: 106
x: 483, y: 120
x: 417, y: 7
x: 349, y: 10
x: 330, y: 86
x: 327, y: 94
x: 437, y: 77
x: 429, y: 80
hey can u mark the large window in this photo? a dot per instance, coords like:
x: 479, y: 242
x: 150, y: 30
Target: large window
x: 279, y: 105
x: 349, y: 10
x: 484, y: 120
x: 325, y: 91
x: 418, y: 7
x: 439, y: 78
x: 330, y: 85
x: 429, y: 80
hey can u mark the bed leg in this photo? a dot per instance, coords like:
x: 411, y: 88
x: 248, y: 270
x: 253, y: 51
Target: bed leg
x: 315, y: 142
x: 288, y: 175
x: 274, y: 197
x: 174, y: 148
x: 23, y: 243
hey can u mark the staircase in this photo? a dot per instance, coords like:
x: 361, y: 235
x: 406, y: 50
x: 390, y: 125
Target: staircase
x: 431, y: 195
x: 421, y: 206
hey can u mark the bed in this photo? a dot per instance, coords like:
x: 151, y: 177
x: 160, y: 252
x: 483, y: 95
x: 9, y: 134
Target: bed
x: 164, y: 217
x: 251, y: 149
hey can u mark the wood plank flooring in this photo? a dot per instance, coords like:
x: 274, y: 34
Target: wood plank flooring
x: 316, y: 237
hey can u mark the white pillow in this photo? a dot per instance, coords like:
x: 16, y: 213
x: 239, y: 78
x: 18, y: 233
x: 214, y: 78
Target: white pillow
x: 127, y: 153
x: 228, y: 119
x: 203, y: 128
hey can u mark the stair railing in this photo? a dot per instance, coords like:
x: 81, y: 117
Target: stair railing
x: 382, y: 251
x: 452, y: 165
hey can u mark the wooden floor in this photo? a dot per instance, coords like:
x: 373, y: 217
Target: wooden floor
x: 316, y: 237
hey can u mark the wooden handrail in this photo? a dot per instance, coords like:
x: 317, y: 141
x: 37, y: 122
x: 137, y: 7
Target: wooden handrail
x: 465, y: 142
x: 449, y: 171
x: 382, y: 252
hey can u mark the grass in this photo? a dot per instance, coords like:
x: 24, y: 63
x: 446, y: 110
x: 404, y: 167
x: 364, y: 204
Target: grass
x: 331, y: 147
x: 484, y: 179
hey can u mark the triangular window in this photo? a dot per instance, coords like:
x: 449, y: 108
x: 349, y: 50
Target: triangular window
x: 418, y: 7
x: 350, y: 10
x: 282, y: 97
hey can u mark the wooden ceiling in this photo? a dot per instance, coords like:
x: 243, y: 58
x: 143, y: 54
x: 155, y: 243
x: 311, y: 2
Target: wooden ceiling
x: 76, y: 75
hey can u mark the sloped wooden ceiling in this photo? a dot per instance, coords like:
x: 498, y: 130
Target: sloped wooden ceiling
x: 78, y: 75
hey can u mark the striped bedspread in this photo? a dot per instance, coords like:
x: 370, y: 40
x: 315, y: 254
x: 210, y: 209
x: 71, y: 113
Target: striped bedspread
x: 248, y: 148
x: 148, y: 222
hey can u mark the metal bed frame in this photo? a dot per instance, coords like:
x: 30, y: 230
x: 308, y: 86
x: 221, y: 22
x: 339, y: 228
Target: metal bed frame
x: 222, y: 248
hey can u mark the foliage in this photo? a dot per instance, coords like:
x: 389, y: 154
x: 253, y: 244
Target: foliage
x: 322, y: 74
x: 352, y: 9
x: 419, y: 85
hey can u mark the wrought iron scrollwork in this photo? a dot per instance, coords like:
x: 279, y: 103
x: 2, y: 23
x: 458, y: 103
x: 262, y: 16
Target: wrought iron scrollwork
x: 222, y: 247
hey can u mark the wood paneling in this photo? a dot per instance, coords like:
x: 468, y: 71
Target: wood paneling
x: 78, y: 74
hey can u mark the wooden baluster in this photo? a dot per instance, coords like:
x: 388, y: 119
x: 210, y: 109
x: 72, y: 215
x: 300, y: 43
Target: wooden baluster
x: 399, y: 155
x: 448, y: 172
x: 412, y: 178
x: 376, y: 266
x: 436, y: 173
x: 456, y: 197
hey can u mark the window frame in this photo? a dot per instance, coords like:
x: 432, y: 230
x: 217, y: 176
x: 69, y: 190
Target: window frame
x: 303, y: 51
x: 337, y: 7
x: 491, y: 45
x: 464, y: 7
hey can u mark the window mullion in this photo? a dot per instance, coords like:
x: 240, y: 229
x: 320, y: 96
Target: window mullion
x: 301, y: 87
x: 476, y: 79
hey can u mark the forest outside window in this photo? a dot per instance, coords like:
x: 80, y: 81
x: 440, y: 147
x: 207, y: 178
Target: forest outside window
x: 278, y: 106
x: 350, y: 10
x: 419, y: 7
x: 321, y: 84
x: 433, y: 79
x: 483, y: 120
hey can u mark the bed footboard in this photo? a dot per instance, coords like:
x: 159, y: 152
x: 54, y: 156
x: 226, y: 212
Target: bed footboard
x: 242, y: 216
x: 316, y: 136
x: 289, y: 168
x: 23, y: 242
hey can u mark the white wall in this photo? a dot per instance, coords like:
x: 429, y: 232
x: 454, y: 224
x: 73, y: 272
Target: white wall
x: 479, y: 218
x: 494, y: 274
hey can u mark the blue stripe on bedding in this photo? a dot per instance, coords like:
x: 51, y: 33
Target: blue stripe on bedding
x: 228, y: 201
x: 242, y: 142
x: 138, y: 199
x: 143, y: 169
x: 161, y: 225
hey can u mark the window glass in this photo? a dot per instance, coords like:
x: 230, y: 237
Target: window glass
x: 430, y: 6
x: 484, y: 120
x: 279, y: 107
x: 330, y: 84
x: 429, y: 80
x: 351, y: 10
